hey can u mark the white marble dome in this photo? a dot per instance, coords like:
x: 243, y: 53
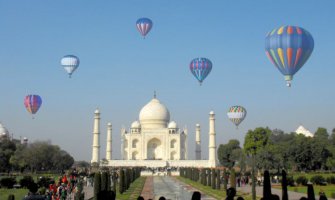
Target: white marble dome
x: 136, y: 124
x: 3, y: 130
x: 172, y: 125
x: 154, y: 115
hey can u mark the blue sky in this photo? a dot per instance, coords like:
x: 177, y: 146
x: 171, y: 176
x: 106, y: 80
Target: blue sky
x: 119, y: 70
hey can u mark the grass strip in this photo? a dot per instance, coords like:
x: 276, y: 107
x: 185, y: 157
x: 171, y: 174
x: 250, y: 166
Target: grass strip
x: 134, y: 190
x: 18, y: 193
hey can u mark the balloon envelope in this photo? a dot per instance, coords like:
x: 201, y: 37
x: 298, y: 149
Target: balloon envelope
x: 236, y: 114
x: 288, y: 48
x: 32, y: 103
x: 144, y: 25
x: 200, y: 68
x: 70, y: 63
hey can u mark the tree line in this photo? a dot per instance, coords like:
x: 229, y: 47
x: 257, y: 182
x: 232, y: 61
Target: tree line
x: 275, y: 150
x: 37, y: 156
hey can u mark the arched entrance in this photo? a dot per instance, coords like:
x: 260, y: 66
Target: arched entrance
x: 154, y: 149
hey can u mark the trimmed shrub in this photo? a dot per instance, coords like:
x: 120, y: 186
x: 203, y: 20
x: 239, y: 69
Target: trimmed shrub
x: 218, y: 180
x: 318, y: 180
x: 232, y: 178
x: 225, y: 178
x: 331, y: 180
x: 267, y: 186
x: 104, y: 181
x: 209, y: 181
x: 11, y: 197
x: 290, y: 181
x: 7, y: 182
x: 284, y: 186
x: 45, y: 181
x: 26, y: 181
x: 109, y: 183
x: 202, y: 176
x: 122, y: 181
x: 213, y: 179
x: 42, y: 190
x: 33, y: 188
x: 97, y: 185
x: 302, y: 180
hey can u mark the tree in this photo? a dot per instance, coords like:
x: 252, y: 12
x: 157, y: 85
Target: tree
x: 18, y: 160
x: 253, y: 143
x: 41, y: 156
x: 301, y: 152
x: 7, y: 149
x: 255, y: 140
x: 62, y: 160
x: 321, y: 133
x: 228, y: 153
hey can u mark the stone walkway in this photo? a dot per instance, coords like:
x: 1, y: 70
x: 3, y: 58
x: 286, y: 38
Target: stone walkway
x: 168, y: 187
x: 147, y: 192
x: 88, y: 190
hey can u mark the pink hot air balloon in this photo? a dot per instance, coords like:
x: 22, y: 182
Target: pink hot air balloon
x: 32, y: 103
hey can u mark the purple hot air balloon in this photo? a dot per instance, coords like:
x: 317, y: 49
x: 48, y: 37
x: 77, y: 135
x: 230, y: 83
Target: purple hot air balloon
x: 32, y: 103
x: 144, y: 25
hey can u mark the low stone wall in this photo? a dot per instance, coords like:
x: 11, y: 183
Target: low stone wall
x: 160, y: 163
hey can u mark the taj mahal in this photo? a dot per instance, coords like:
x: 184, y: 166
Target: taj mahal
x: 154, y: 141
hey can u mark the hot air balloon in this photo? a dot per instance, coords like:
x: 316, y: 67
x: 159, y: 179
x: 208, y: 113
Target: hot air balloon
x: 288, y: 48
x: 32, y: 103
x: 70, y: 63
x: 236, y: 114
x: 144, y: 25
x: 200, y: 68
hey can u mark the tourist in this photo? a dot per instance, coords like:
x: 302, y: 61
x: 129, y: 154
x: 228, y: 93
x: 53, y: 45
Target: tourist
x: 196, y: 195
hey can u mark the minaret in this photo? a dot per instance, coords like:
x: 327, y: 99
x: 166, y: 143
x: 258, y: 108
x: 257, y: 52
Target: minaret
x: 212, y: 145
x: 109, y: 142
x: 96, y: 142
x: 197, y: 142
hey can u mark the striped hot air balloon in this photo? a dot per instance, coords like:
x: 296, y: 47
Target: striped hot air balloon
x: 288, y: 48
x: 236, y: 114
x: 32, y: 103
x: 70, y: 63
x: 144, y: 25
x: 200, y: 68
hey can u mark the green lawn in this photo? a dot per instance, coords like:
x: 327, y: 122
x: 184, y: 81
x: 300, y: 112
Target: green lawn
x: 218, y: 194
x: 19, y: 193
x: 34, y: 176
x: 134, y: 190
x: 329, y: 189
x: 310, y: 175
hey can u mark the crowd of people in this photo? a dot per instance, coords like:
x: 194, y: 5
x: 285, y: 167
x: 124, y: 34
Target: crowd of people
x: 60, y: 189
